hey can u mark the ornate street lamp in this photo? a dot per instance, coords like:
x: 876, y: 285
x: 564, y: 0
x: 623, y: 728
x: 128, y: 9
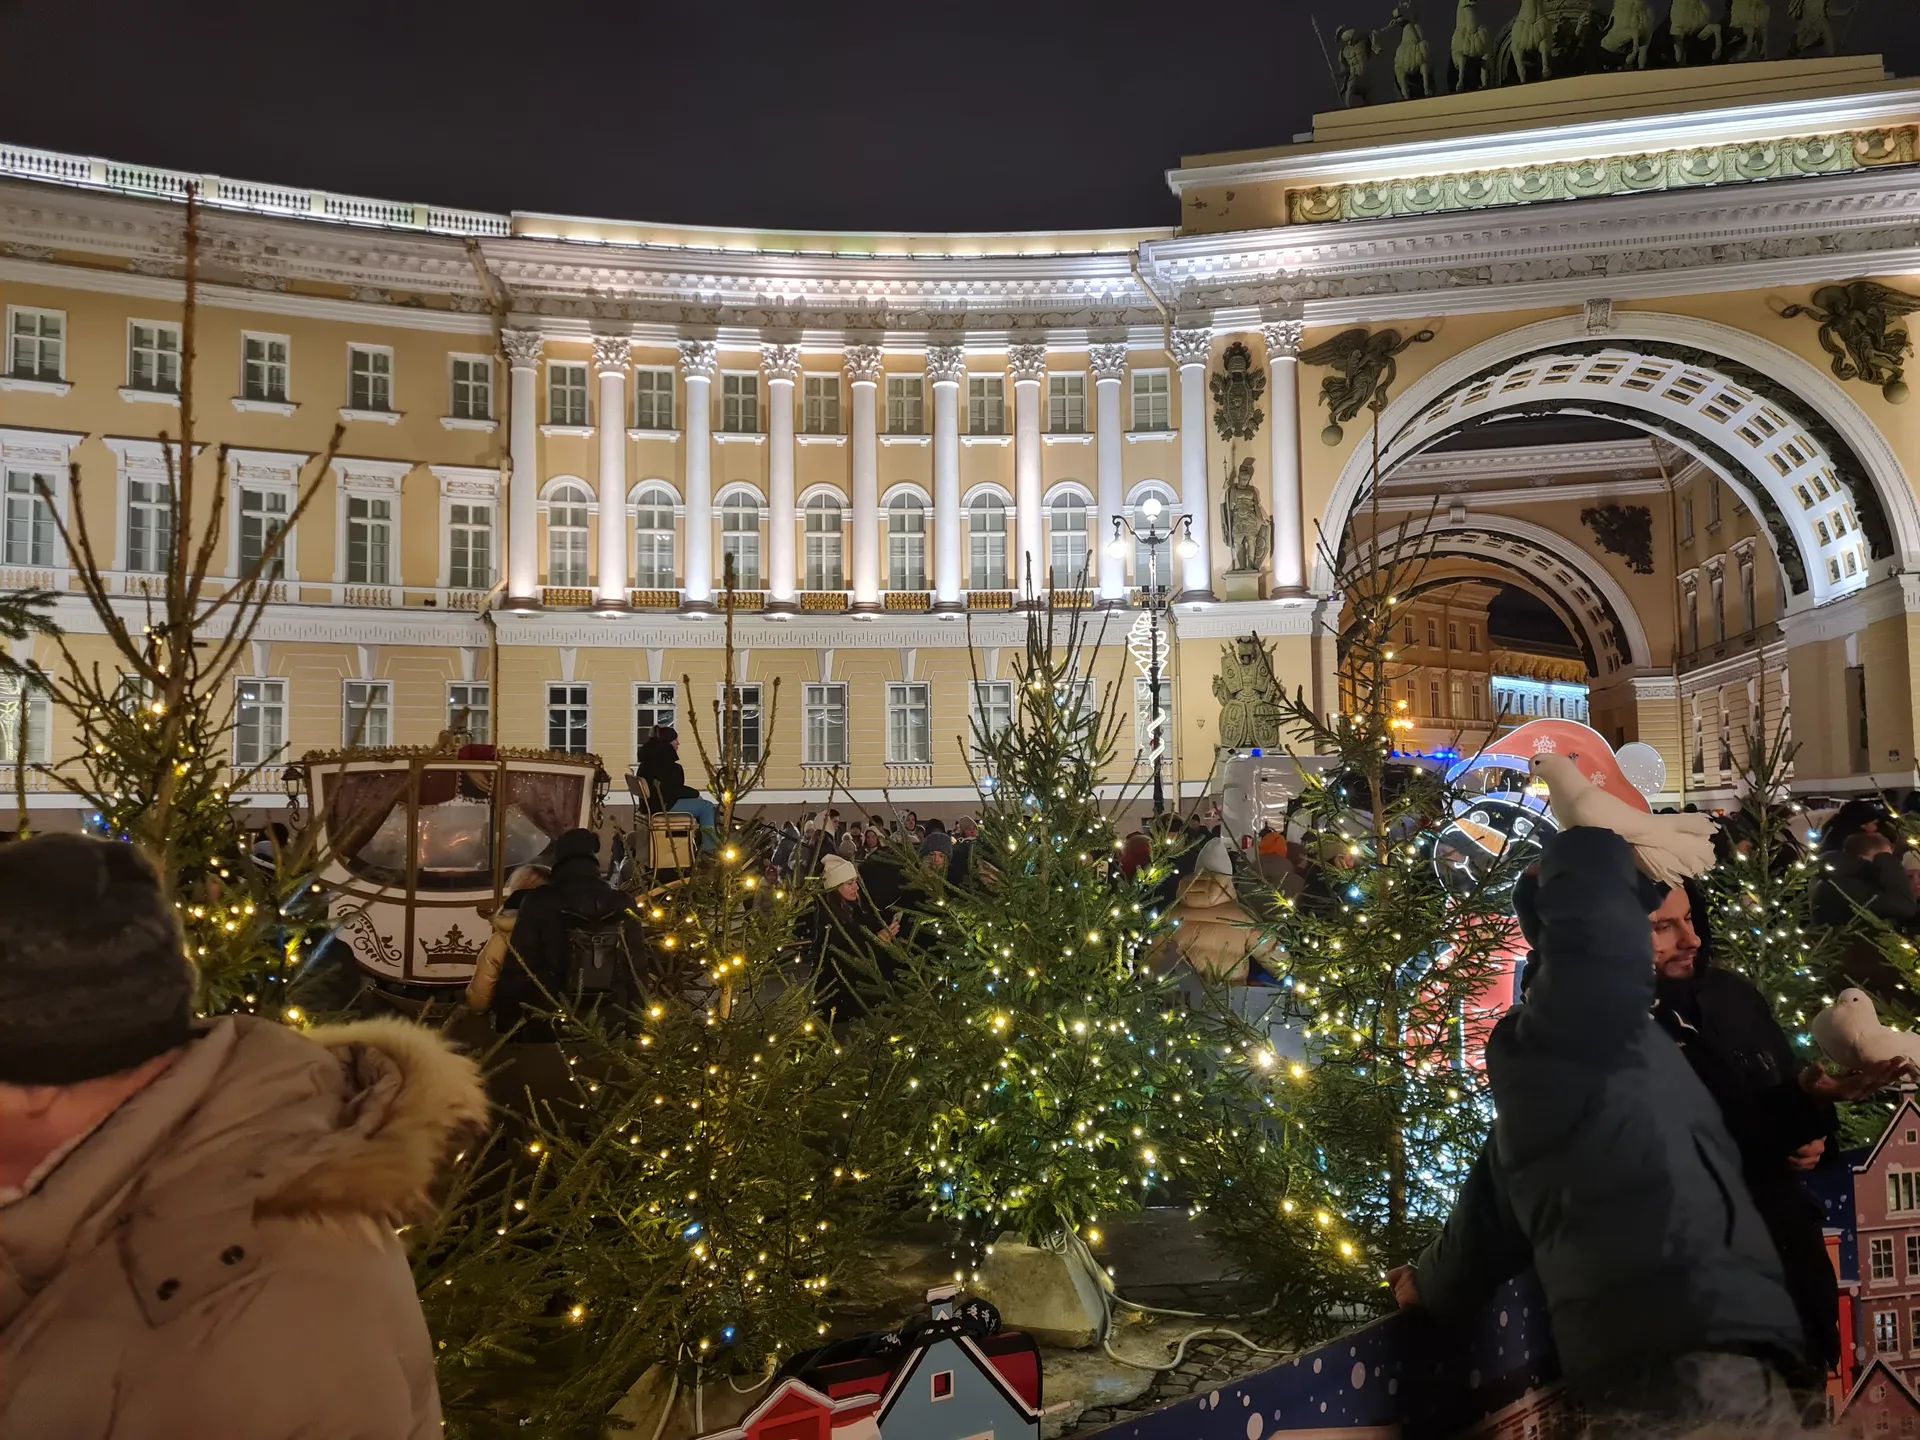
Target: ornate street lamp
x: 1158, y: 599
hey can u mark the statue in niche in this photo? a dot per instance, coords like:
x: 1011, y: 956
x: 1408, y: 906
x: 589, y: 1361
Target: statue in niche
x: 1860, y: 327
x: 1249, y: 695
x: 1412, y: 62
x: 1237, y: 387
x: 1243, y: 524
x: 1364, y: 366
x: 1623, y: 530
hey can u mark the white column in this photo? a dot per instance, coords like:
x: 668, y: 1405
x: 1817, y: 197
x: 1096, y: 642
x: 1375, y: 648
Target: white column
x: 1109, y: 369
x: 863, y: 371
x: 523, y: 484
x: 781, y: 365
x: 947, y: 368
x: 1283, y: 421
x: 1192, y: 349
x: 611, y: 354
x: 1027, y: 364
x: 698, y: 361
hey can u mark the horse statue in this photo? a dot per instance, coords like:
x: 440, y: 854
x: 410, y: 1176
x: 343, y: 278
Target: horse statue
x: 1471, y: 46
x: 1689, y: 21
x: 1532, y: 31
x: 1629, y: 35
x: 1812, y: 26
x: 1410, y: 59
x: 1750, y: 19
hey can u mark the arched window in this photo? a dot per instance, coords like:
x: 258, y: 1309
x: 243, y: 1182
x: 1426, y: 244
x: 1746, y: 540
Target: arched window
x: 987, y: 543
x: 906, y: 543
x: 740, y: 538
x: 826, y: 543
x: 567, y: 535
x: 1067, y: 542
x: 653, y: 539
x: 1153, y: 564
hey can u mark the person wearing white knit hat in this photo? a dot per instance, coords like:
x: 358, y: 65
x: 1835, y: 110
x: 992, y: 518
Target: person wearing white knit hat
x: 851, y: 939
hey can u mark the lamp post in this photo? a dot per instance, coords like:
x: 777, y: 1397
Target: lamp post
x: 1158, y: 598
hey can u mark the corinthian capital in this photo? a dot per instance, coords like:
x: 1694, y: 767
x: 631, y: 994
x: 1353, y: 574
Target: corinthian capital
x: 1192, y: 347
x: 947, y: 365
x: 1283, y: 338
x: 863, y: 364
x: 1109, y: 362
x: 699, y: 359
x: 780, y: 362
x: 611, y: 354
x: 1027, y: 362
x: 523, y: 347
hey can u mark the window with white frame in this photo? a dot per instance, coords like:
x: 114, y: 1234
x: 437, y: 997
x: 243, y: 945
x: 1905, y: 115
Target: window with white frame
x: 264, y: 368
x: 472, y: 397
x: 1901, y: 1192
x: 1749, y: 603
x: 1067, y: 542
x: 824, y: 715
x: 567, y: 536
x: 740, y: 538
x: 741, y: 725
x: 909, y: 723
x: 1067, y: 404
x: 1690, y: 598
x: 740, y: 402
x: 566, y: 392
x: 1152, y: 400
x: 369, y: 377
x: 1880, y: 1258
x: 987, y: 543
x: 986, y: 405
x: 1718, y: 582
x: 263, y: 520
x: 36, y: 344
x: 153, y: 357
x: 655, y: 706
x: 470, y: 708
x: 1913, y: 1257
x: 366, y: 714
x: 825, y: 543
x: 369, y: 540
x: 906, y: 405
x: 653, y: 529
x: 259, y: 721
x: 22, y: 701
x: 820, y: 405
x: 906, y: 543
x: 653, y: 398
x: 26, y: 521
x: 991, y: 711
x: 567, y: 718
x: 149, y: 525
x: 470, y: 545
x: 1886, y: 1331
x: 1143, y: 716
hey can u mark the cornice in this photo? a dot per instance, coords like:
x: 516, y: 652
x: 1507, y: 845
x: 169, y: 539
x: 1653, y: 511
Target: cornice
x: 1610, y: 456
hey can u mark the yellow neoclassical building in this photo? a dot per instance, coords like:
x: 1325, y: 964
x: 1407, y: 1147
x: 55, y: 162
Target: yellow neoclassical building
x: 1618, y: 320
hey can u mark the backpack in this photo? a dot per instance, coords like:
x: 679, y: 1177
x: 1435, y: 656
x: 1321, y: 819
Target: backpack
x: 598, y: 964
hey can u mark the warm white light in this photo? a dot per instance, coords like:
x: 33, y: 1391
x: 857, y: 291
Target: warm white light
x: 1117, y: 548
x: 1150, y: 507
x: 1187, y: 548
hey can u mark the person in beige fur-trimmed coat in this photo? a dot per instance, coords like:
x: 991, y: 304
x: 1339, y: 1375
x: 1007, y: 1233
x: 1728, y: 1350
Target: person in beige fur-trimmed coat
x: 197, y: 1219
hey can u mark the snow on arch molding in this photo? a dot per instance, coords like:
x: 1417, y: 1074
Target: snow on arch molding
x: 1865, y: 474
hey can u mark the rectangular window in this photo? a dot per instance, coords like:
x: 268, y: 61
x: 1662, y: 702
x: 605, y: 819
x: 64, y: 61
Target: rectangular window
x: 742, y: 725
x: 566, y: 393
x: 1409, y: 632
x: 909, y: 724
x: 740, y: 542
x: 567, y: 718
x: 20, y: 700
x: 987, y: 545
x: 1457, y: 698
x: 1686, y: 519
x: 1479, y: 703
x: 906, y: 405
x: 369, y: 540
x: 992, y: 710
x: 1145, y: 738
x: 1453, y: 634
x: 1067, y: 404
x: 469, y: 547
x: 1473, y: 639
x: 26, y: 522
x: 263, y: 520
x: 1433, y: 634
x: 654, y: 706
x: 1152, y: 401
x: 259, y: 722
x: 37, y: 344
x: 1913, y: 1256
x: 369, y: 378
x: 1719, y: 583
x: 653, y: 532
x: 820, y: 410
x: 825, y: 718
x: 1713, y: 503
x: 986, y: 405
x: 1693, y: 617
x: 265, y: 368
x: 470, y: 708
x: 1901, y: 1196
x: 740, y: 403
x: 653, y: 399
x: 366, y: 720
x: 1886, y: 1331
x: 942, y: 1385
x: 149, y: 526
x: 1880, y: 1258
x: 826, y: 547
x: 1433, y: 697
x: 906, y: 546
x: 1748, y: 601
x: 472, y: 397
x: 153, y: 357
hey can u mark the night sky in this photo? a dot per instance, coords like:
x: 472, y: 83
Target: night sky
x: 839, y: 114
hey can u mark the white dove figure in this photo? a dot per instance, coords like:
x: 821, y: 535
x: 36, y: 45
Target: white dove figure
x: 1850, y: 1034
x: 1670, y: 848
